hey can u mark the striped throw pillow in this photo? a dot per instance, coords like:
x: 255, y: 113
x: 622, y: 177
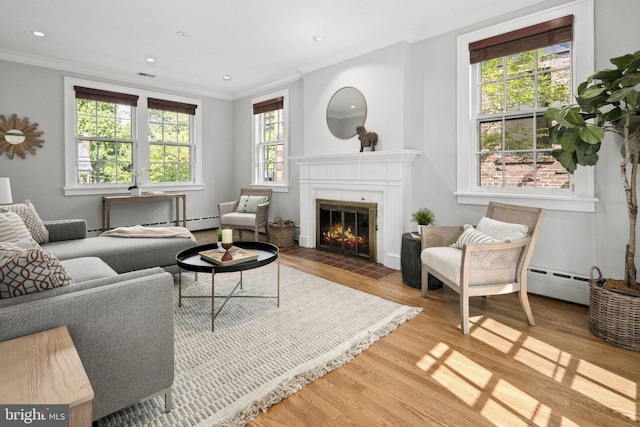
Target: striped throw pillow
x: 31, y: 220
x: 12, y: 228
x: 471, y: 235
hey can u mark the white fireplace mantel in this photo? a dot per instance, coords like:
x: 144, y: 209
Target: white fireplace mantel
x: 382, y: 177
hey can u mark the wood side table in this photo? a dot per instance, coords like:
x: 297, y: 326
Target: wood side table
x: 44, y: 369
x: 107, y: 201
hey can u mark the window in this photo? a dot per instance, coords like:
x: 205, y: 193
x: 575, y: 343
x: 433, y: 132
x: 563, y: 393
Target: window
x: 170, y: 140
x: 270, y: 129
x: 116, y: 136
x: 520, y: 75
x: 104, y: 136
x: 508, y: 75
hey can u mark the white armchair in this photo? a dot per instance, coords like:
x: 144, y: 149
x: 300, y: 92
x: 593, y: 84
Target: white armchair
x: 492, y: 266
x: 250, y: 212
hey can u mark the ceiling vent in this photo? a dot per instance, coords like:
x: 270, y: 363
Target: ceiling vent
x: 146, y: 75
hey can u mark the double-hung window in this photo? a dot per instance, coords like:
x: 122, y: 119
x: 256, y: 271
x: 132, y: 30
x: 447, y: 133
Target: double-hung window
x: 518, y: 76
x: 270, y: 136
x: 170, y: 140
x: 106, y: 128
x: 117, y: 137
x: 509, y: 75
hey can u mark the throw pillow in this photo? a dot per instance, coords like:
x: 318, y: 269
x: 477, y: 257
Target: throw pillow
x: 12, y: 228
x: 25, y: 271
x: 249, y: 204
x: 503, y: 230
x: 31, y: 220
x: 471, y: 235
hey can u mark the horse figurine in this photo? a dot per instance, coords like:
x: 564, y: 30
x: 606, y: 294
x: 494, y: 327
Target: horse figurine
x: 367, y: 139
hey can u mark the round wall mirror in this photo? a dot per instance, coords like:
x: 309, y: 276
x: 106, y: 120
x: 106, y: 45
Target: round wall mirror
x: 346, y: 110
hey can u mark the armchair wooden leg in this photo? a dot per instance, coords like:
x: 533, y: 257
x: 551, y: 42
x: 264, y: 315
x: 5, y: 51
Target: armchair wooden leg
x: 524, y: 302
x: 424, y: 281
x: 464, y: 314
x: 257, y: 235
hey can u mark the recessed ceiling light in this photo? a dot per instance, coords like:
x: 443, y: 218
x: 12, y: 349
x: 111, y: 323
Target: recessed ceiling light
x: 151, y: 59
x: 317, y: 38
x: 226, y: 77
x: 181, y: 34
x: 37, y: 33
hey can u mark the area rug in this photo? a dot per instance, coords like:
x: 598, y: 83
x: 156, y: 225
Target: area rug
x: 260, y: 354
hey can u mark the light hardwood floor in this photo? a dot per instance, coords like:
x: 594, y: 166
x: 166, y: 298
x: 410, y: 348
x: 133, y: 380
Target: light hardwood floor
x: 504, y: 373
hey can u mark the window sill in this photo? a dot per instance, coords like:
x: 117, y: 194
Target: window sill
x: 557, y: 203
x: 277, y: 188
x: 119, y: 189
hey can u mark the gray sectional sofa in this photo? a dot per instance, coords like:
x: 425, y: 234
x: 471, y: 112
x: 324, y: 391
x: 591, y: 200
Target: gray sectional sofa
x: 119, y: 311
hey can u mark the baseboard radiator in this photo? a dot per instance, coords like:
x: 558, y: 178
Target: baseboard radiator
x: 558, y: 284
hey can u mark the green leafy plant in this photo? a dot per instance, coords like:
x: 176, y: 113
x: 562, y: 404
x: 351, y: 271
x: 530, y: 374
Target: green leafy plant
x: 607, y: 102
x: 219, y: 234
x: 423, y: 216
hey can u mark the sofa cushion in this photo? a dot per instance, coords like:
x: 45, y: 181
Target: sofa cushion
x: 87, y: 268
x: 25, y: 271
x: 505, y: 231
x: 249, y: 204
x: 471, y: 235
x: 31, y: 220
x: 123, y: 254
x: 12, y: 228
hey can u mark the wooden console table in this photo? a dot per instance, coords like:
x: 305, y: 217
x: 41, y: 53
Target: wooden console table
x: 44, y: 369
x: 108, y: 200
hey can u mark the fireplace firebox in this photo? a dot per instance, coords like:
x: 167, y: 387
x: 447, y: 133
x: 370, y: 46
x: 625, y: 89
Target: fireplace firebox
x: 346, y: 227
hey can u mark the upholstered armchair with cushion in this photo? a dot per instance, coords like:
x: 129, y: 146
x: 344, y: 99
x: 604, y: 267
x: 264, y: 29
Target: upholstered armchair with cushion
x: 489, y: 259
x: 250, y: 212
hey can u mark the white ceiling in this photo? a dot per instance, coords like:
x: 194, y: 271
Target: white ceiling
x: 258, y: 43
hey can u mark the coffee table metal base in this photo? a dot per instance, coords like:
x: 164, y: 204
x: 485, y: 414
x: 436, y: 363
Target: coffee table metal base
x: 226, y: 298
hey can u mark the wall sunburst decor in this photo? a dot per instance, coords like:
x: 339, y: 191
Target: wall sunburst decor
x: 17, y: 136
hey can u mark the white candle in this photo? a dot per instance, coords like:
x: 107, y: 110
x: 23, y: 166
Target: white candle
x: 227, y: 235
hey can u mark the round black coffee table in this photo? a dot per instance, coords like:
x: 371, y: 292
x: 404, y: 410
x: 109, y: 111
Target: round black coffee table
x: 190, y: 260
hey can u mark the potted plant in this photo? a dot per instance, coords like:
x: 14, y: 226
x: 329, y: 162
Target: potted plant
x: 423, y: 216
x: 609, y: 101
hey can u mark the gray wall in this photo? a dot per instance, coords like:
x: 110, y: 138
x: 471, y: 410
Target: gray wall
x: 37, y: 93
x: 286, y: 202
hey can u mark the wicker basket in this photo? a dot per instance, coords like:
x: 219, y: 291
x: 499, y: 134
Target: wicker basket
x: 281, y: 232
x: 613, y: 316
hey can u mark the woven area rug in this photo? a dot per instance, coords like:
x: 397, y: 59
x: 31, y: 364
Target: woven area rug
x: 260, y: 354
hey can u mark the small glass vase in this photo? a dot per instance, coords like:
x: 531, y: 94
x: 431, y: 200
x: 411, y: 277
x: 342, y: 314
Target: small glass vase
x: 136, y: 191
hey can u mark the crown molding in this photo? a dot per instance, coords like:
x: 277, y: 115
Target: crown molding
x: 71, y: 67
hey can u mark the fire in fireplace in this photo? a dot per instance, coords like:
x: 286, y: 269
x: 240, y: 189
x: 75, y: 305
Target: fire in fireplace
x: 348, y: 228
